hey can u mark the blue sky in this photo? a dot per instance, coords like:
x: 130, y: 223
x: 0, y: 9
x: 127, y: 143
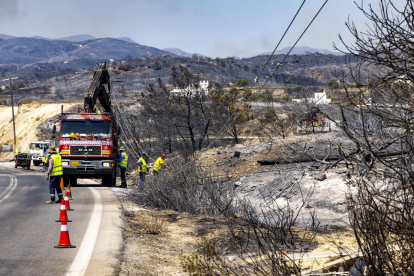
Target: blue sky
x: 214, y: 28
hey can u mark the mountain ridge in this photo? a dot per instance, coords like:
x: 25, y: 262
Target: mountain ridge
x: 181, y: 53
x: 24, y: 51
x: 302, y: 50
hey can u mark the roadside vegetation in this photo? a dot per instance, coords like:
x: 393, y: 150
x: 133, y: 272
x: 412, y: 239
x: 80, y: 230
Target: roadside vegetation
x: 373, y: 149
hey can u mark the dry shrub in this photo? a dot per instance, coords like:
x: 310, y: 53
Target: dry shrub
x: 143, y: 221
x: 128, y: 210
x: 193, y: 191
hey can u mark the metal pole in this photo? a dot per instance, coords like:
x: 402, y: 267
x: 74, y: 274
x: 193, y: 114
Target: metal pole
x: 14, y: 127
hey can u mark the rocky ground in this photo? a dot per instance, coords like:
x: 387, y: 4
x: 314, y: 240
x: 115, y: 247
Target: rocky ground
x: 271, y: 185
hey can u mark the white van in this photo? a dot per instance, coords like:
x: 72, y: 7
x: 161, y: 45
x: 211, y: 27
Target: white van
x: 38, y: 150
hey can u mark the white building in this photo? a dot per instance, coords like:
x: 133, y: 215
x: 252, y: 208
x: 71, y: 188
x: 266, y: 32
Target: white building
x: 191, y: 91
x: 318, y: 98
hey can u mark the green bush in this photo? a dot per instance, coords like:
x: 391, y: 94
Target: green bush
x: 283, y: 99
x: 242, y: 82
x: 234, y: 91
x: 253, y: 97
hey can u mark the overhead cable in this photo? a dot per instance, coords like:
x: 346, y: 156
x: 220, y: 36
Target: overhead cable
x: 223, y: 129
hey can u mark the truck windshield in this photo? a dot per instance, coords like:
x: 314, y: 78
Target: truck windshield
x: 85, y: 129
x: 37, y: 146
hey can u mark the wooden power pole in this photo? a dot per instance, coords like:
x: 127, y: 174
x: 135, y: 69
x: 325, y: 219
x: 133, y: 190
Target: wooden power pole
x: 11, y: 95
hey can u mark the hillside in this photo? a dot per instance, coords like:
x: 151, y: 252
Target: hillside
x: 67, y: 77
x: 77, y: 38
x: 27, y: 119
x: 24, y: 51
x: 303, y: 50
x: 180, y: 52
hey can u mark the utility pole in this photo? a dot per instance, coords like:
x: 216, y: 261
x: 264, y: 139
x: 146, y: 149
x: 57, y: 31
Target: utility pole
x: 11, y: 95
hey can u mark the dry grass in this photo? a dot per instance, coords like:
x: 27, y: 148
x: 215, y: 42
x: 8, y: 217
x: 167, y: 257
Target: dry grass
x: 147, y: 253
x: 164, y: 242
x: 143, y: 221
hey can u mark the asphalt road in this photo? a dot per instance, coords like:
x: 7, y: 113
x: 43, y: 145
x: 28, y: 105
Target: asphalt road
x: 28, y: 231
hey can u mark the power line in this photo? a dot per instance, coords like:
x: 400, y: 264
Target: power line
x: 280, y: 63
x: 221, y: 132
x: 277, y: 46
x: 129, y: 131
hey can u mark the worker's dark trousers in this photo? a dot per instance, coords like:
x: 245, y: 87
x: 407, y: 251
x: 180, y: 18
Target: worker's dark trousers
x: 55, y: 184
x: 141, y: 180
x: 123, y: 178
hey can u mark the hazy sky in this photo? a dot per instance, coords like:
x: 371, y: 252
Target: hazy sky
x: 211, y: 27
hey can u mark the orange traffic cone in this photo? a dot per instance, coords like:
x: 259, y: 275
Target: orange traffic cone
x: 70, y: 192
x: 62, y: 185
x: 63, y: 215
x: 64, y: 241
x: 67, y: 202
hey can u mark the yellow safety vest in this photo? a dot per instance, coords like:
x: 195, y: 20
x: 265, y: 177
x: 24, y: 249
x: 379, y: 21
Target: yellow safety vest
x: 44, y: 159
x: 17, y: 152
x: 143, y: 167
x: 158, y: 163
x: 57, y: 165
x: 124, y: 162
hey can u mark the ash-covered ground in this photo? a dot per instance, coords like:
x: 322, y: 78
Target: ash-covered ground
x: 306, y: 187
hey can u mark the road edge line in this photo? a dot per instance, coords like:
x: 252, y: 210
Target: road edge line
x: 82, y: 258
x: 9, y: 191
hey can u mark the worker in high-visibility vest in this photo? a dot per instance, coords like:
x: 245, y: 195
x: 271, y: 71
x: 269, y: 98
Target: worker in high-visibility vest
x: 17, y: 153
x: 123, y: 164
x: 142, y: 164
x: 44, y: 163
x: 55, y: 172
x: 159, y: 163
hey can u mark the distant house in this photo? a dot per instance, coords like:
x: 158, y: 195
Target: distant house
x: 191, y: 91
x: 318, y: 98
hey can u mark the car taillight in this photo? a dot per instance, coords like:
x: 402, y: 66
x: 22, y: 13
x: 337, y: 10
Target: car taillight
x: 112, y: 164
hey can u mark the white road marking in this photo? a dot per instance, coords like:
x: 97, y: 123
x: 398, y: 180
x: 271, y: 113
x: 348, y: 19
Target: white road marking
x: 10, y: 188
x: 81, y: 261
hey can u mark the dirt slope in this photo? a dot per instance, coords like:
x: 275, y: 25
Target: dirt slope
x: 27, y: 118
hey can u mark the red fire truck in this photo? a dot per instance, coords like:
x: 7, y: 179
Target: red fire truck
x: 88, y: 140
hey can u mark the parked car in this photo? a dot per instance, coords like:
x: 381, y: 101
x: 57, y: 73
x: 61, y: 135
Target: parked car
x: 23, y: 160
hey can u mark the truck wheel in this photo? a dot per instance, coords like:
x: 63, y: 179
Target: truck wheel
x: 65, y: 181
x: 28, y: 167
x: 114, y: 178
x: 107, y: 181
x: 73, y: 181
x: 36, y: 163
